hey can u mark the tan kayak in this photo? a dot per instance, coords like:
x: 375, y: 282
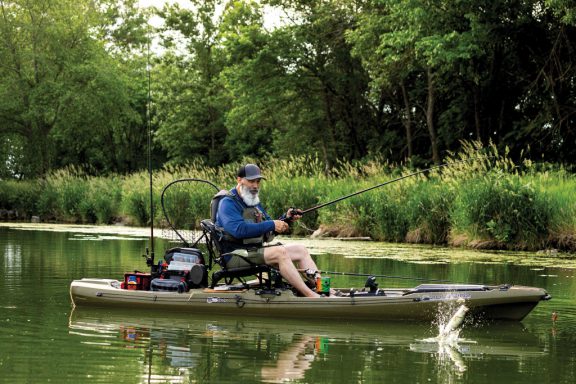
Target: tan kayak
x: 422, y: 303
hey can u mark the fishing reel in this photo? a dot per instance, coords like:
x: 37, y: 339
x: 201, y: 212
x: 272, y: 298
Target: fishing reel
x: 150, y: 260
x: 293, y: 212
x: 310, y: 278
x: 311, y: 274
x: 372, y: 285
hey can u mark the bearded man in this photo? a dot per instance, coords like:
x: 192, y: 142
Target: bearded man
x: 246, y: 225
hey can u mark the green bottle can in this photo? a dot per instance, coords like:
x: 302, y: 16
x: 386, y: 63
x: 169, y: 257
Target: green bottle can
x: 323, y: 285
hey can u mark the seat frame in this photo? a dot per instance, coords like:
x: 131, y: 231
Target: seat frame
x: 266, y: 274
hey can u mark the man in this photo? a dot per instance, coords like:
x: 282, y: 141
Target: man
x: 246, y: 225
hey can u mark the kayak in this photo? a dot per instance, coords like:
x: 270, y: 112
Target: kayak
x: 421, y: 303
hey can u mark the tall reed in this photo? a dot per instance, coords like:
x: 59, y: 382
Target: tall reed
x: 502, y: 211
x: 135, y: 199
x: 104, y: 196
x: 428, y: 206
x: 66, y: 196
x: 481, y: 199
x: 559, y: 188
x: 19, y: 200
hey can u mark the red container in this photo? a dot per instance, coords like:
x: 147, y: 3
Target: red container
x: 137, y: 281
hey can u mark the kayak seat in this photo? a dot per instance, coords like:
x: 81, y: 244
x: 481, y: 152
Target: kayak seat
x: 233, y: 265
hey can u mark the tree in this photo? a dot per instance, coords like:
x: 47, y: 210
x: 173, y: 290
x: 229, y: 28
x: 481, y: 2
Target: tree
x: 299, y: 85
x: 545, y: 53
x: 60, y: 93
x: 251, y: 78
x: 429, y: 38
x: 191, y: 101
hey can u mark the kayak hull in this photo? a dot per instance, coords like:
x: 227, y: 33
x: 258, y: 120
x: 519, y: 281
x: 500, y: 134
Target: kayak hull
x: 421, y: 303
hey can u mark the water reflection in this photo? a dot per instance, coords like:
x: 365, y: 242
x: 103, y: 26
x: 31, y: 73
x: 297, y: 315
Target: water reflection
x: 173, y: 348
x: 294, y: 361
x: 12, y: 259
x: 179, y: 348
x: 40, y: 342
x: 452, y: 359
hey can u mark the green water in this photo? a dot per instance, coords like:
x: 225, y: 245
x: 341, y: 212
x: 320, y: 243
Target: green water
x: 43, y: 340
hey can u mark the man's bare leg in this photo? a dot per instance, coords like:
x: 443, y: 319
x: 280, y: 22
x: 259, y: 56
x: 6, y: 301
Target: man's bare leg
x: 299, y: 254
x: 280, y: 256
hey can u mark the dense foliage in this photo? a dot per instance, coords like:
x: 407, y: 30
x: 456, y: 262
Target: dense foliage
x: 477, y: 201
x: 346, y: 79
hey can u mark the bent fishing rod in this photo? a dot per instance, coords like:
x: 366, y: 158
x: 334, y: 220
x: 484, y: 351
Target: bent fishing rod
x: 383, y: 184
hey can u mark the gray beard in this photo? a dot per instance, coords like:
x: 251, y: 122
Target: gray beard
x: 249, y: 199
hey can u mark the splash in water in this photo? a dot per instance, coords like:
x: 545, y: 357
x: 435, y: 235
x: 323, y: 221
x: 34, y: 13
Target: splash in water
x: 449, y: 327
x: 450, y: 331
x: 446, y: 344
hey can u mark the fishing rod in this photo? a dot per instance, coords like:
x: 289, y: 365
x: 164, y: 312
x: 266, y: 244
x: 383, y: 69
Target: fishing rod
x: 385, y: 183
x: 354, y: 274
x: 149, y: 252
x: 384, y: 276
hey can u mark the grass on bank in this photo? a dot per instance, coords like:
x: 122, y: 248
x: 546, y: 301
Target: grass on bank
x: 487, y: 202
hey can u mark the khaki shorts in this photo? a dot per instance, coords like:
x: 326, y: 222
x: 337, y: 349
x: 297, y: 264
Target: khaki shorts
x: 255, y: 256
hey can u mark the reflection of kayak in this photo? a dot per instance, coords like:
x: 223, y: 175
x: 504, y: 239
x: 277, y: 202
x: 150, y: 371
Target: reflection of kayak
x: 509, y: 339
x: 477, y: 349
x: 173, y: 346
x: 419, y: 303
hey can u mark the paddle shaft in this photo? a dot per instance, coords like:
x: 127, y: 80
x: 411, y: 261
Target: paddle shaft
x: 382, y: 184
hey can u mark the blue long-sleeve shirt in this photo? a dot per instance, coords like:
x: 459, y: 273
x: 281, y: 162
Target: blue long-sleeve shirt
x: 230, y: 218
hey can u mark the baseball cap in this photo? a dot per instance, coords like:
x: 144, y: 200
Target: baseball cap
x: 250, y: 172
